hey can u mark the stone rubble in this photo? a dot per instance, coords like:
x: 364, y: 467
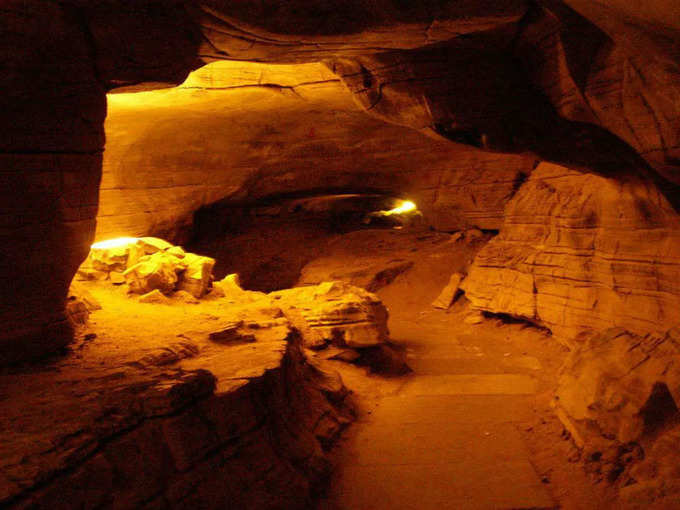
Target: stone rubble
x: 146, y: 264
x: 338, y: 313
x: 449, y: 293
x: 618, y: 397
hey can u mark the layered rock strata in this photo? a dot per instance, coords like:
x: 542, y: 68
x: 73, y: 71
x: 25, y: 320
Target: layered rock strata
x: 234, y: 149
x: 618, y: 397
x: 599, y: 93
x: 148, y: 416
x: 580, y: 253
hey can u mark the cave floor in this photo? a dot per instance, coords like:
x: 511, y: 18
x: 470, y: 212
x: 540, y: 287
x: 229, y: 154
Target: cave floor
x: 448, y: 435
x: 471, y: 426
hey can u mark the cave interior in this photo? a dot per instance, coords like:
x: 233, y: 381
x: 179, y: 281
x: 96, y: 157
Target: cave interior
x: 340, y: 255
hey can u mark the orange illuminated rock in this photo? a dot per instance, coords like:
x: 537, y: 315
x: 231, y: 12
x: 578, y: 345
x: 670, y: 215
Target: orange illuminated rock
x: 338, y: 313
x: 618, y: 381
x: 449, y: 293
x: 157, y: 271
x: 580, y: 253
x: 197, y: 276
x: 155, y: 297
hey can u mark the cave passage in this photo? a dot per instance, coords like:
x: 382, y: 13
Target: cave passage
x: 339, y: 255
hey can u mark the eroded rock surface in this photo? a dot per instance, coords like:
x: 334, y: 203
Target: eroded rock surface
x: 579, y: 253
x: 617, y: 397
x: 149, y: 265
x: 337, y: 313
x: 597, y: 91
x: 147, y: 411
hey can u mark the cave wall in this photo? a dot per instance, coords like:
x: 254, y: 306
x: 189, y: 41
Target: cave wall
x: 252, y: 131
x: 579, y: 253
x: 595, y: 91
x: 53, y: 108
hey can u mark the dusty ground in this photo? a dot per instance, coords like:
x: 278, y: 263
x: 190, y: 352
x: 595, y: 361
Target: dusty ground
x: 442, y: 348
x: 470, y: 427
x: 499, y: 374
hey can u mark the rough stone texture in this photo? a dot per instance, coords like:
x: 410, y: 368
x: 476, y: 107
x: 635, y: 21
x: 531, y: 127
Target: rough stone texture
x: 623, y: 84
x: 449, y: 293
x: 337, y: 313
x: 50, y: 165
x: 147, y: 265
x: 617, y: 396
x: 598, y: 93
x: 197, y: 276
x: 149, y: 417
x: 614, y: 383
x: 580, y: 252
x: 234, y: 148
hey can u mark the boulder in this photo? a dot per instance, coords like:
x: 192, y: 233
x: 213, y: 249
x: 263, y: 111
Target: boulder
x: 154, y: 297
x: 197, y: 277
x: 114, y: 258
x: 336, y: 313
x: 116, y: 278
x: 620, y: 386
x: 184, y: 297
x: 230, y: 284
x: 156, y: 271
x: 449, y: 293
x: 153, y: 245
x: 177, y: 251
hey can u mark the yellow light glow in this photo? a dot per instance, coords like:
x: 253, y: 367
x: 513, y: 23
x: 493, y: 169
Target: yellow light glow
x: 404, y: 207
x: 114, y: 243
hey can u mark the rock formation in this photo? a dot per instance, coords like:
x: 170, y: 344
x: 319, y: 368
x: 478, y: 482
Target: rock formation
x: 617, y: 397
x: 214, y: 406
x: 234, y: 149
x: 148, y: 265
x: 338, y: 314
x: 579, y: 253
x: 595, y: 90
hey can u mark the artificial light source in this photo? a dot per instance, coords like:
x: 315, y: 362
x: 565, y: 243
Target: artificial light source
x: 114, y: 243
x: 404, y: 207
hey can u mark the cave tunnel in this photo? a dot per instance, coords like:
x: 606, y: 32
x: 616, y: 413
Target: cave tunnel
x: 340, y: 255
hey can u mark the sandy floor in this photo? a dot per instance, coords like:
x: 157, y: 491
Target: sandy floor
x: 471, y: 427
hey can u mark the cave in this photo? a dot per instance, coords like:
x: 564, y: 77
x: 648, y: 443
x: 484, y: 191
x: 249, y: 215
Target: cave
x: 340, y: 255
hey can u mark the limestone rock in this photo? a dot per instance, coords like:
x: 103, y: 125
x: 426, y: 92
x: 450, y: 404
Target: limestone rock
x: 473, y: 318
x: 339, y: 313
x: 79, y: 292
x: 150, y: 420
x: 90, y: 274
x: 232, y: 334
x: 110, y: 259
x: 580, y: 253
x: 150, y: 245
x: 76, y: 311
x: 197, y: 276
x: 177, y: 251
x: 449, y: 293
x: 229, y: 285
x: 184, y: 297
x: 621, y: 385
x: 156, y: 271
x: 155, y: 297
x: 610, y: 106
x: 116, y: 278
